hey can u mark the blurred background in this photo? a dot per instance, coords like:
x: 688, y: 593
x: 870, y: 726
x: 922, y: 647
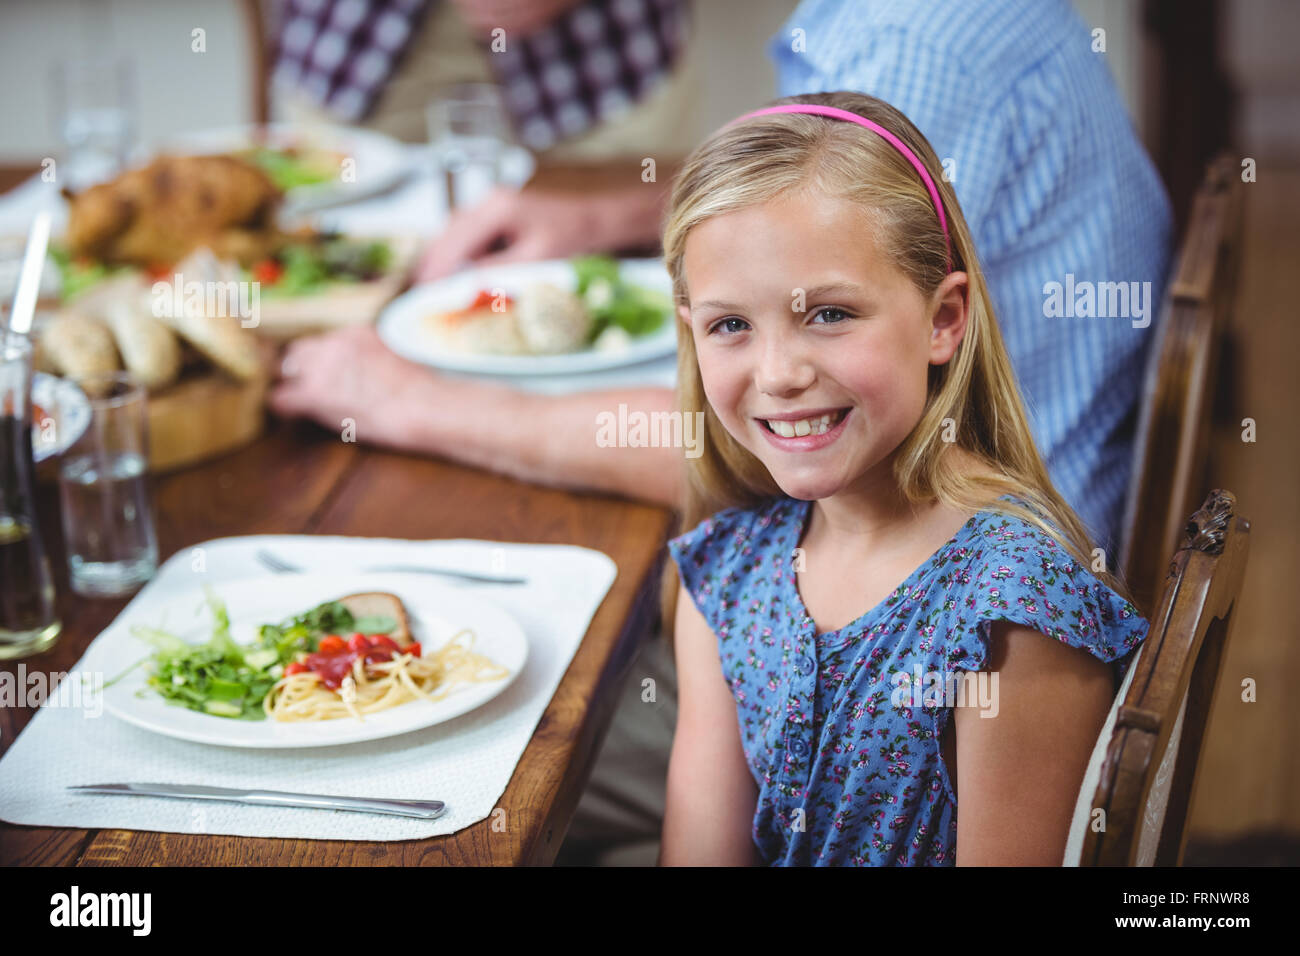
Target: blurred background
x: 1198, y: 77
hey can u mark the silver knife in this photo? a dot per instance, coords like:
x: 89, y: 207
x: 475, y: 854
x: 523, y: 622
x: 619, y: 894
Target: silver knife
x: 425, y: 809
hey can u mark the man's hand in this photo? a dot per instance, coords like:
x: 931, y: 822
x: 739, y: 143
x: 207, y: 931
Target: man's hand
x: 533, y: 224
x: 348, y: 374
x: 547, y: 439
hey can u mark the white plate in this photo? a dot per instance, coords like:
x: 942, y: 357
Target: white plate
x: 381, y: 161
x: 66, y: 403
x: 404, y: 328
x: 437, y: 612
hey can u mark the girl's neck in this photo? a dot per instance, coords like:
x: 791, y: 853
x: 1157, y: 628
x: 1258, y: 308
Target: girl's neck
x: 874, y: 518
x: 852, y: 522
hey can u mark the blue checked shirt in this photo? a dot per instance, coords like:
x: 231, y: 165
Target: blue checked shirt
x: 1054, y: 184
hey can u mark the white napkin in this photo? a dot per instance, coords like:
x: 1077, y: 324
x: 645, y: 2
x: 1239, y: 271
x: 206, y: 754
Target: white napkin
x: 465, y: 762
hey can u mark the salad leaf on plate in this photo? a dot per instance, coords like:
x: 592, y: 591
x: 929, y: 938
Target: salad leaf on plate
x: 218, y: 677
x: 612, y: 301
x: 303, y: 268
x: 225, y: 679
x: 303, y: 632
x: 287, y: 168
x: 80, y: 274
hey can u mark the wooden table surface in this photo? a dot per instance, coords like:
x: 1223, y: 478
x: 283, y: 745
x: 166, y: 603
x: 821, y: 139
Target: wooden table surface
x: 298, y: 478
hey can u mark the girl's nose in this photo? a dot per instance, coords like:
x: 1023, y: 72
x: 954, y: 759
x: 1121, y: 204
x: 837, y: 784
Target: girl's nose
x: 784, y: 366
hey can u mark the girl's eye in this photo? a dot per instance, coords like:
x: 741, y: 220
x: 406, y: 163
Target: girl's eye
x: 727, y: 325
x: 829, y: 311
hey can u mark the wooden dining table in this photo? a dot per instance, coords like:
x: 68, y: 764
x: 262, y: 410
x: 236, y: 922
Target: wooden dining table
x: 299, y: 478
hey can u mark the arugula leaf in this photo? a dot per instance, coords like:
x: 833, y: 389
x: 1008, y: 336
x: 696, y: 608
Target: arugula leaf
x: 197, y: 675
x: 590, y: 268
x: 286, y: 170
x: 613, y: 301
x: 79, y: 276
x: 303, y: 632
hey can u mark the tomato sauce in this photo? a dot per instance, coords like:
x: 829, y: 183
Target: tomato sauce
x: 333, y: 660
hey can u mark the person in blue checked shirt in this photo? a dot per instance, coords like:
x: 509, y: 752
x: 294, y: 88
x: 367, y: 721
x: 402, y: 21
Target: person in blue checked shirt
x: 1061, y: 198
x: 1043, y: 158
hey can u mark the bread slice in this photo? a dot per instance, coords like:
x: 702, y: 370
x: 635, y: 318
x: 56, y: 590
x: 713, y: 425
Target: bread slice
x: 380, y: 603
x: 150, y: 350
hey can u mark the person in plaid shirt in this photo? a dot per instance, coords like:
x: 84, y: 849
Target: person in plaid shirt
x: 567, y: 69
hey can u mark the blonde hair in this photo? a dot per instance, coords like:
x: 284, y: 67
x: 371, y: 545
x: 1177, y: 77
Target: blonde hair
x: 754, y: 161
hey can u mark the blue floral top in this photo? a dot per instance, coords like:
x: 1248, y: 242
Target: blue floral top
x: 842, y: 730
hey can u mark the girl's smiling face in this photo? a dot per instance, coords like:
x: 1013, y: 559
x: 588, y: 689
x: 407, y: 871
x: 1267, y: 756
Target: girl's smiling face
x: 859, y: 352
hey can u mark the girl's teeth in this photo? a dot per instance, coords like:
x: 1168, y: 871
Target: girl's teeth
x: 806, y: 426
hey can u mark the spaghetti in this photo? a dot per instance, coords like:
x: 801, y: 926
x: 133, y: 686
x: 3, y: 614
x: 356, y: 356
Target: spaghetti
x: 375, y: 685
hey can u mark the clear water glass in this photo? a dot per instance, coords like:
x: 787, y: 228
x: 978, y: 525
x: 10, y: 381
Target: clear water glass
x: 96, y: 119
x: 108, y: 526
x: 468, y: 133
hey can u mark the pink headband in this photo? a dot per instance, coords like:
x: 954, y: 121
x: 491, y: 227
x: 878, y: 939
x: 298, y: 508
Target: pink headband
x: 898, y: 144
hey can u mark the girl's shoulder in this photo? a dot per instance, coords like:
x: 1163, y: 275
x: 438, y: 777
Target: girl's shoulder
x: 1017, y: 572
x: 735, y: 532
x: 731, y: 552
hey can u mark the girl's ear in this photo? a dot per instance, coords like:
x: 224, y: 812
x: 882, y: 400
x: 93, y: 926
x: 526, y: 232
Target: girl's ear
x: 684, y: 313
x: 948, y: 317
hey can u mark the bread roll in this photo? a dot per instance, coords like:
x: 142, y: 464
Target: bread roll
x: 551, y: 319
x: 79, y: 345
x: 222, y: 340
x: 150, y: 350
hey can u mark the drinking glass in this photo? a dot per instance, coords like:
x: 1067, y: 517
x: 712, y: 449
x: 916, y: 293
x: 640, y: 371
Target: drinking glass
x: 96, y: 119
x: 28, y: 621
x: 468, y: 132
x: 103, y: 486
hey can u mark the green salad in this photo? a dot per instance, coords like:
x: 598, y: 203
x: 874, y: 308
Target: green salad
x: 614, y: 302
x: 226, y: 679
x: 81, y: 274
x: 303, y: 268
x: 289, y: 168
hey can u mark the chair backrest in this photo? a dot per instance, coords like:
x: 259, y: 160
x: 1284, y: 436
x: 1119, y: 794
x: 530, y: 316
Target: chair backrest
x: 1172, y: 441
x: 1136, y: 796
x: 254, y: 15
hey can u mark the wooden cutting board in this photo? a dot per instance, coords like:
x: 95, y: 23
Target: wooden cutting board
x: 205, y: 414
x: 202, y: 417
x: 289, y: 318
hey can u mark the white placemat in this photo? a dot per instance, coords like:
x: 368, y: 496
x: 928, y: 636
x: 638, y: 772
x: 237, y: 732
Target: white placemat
x: 465, y: 762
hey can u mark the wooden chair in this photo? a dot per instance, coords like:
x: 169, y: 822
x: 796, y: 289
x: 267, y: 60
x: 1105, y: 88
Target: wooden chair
x: 1172, y: 443
x: 1140, y: 779
x: 255, y: 14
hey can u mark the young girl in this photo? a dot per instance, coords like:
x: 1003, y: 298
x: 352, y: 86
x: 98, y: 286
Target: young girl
x: 884, y: 522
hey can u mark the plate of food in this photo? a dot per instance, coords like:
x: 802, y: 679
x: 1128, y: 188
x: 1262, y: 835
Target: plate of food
x: 150, y: 221
x: 309, y: 660
x: 314, y: 166
x: 561, y: 316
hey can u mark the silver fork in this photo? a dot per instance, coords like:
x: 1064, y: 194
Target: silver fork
x: 280, y: 566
